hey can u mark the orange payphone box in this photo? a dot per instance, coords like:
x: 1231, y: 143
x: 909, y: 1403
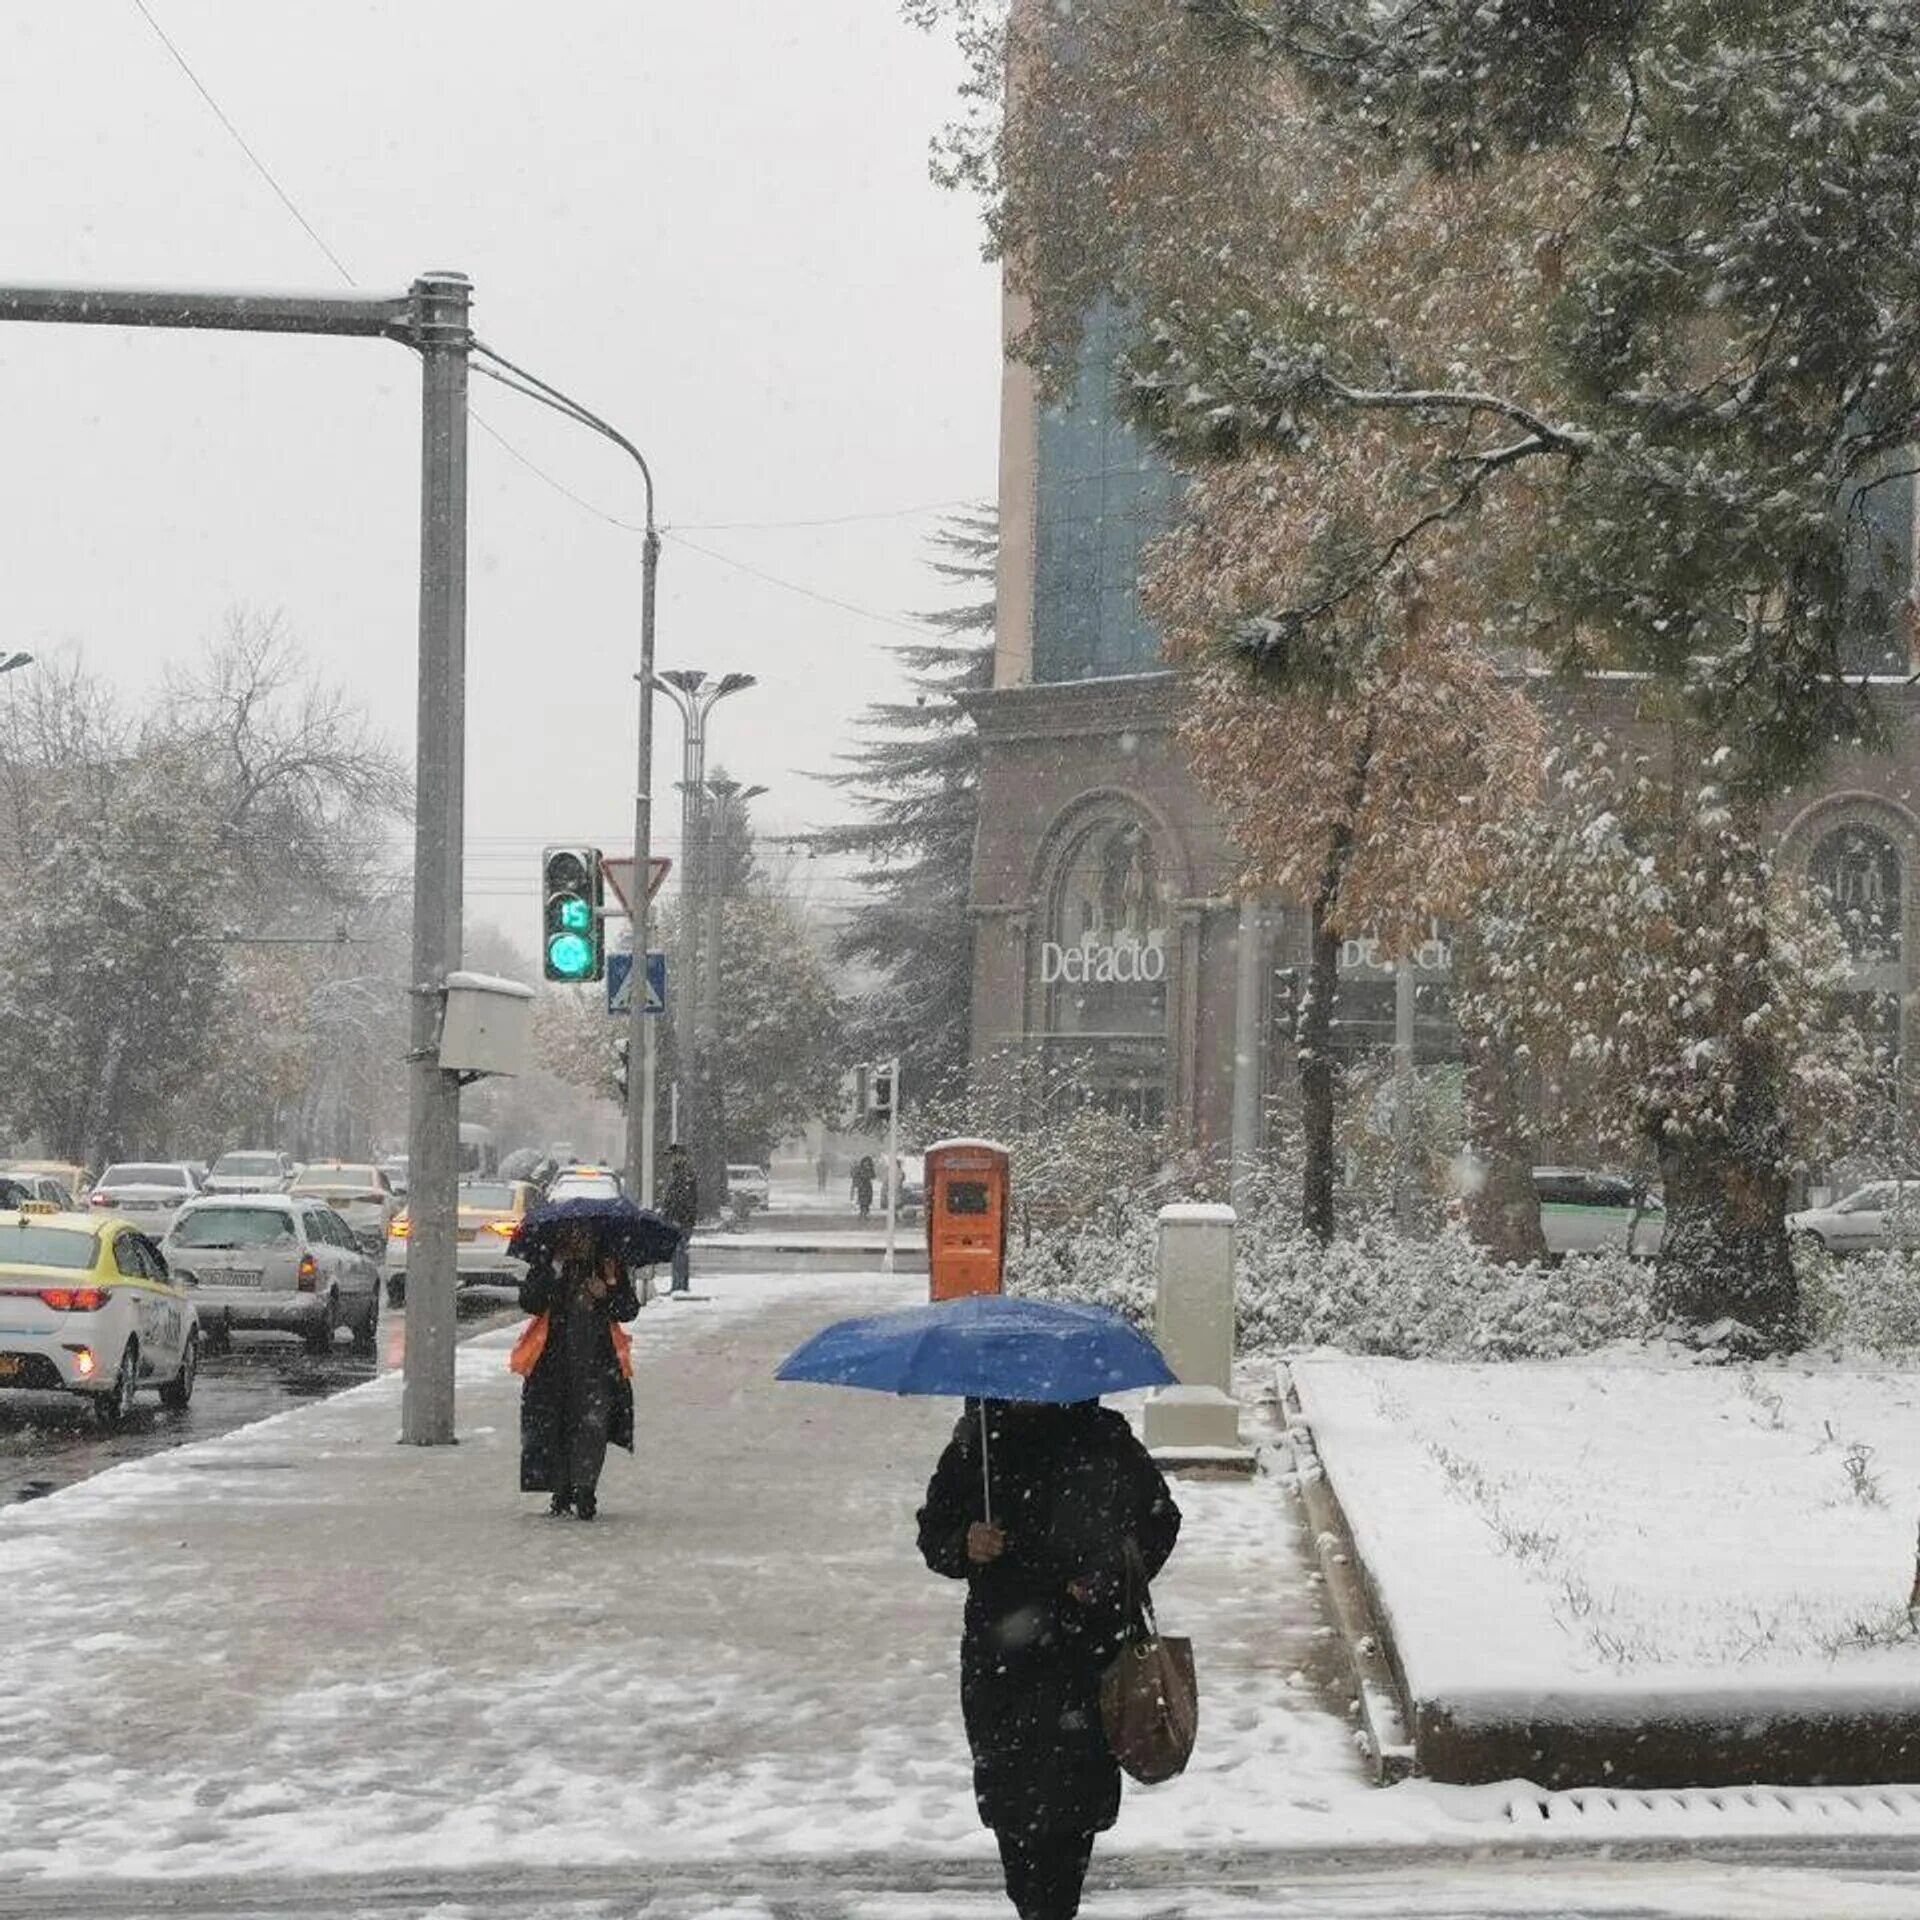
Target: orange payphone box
x: 969, y: 1193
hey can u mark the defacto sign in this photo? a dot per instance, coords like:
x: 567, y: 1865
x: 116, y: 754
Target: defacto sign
x: 1098, y: 963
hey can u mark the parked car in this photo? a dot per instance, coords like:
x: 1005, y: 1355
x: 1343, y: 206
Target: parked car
x: 88, y: 1306
x: 490, y: 1210
x: 1884, y: 1214
x: 147, y: 1192
x: 749, y: 1185
x: 278, y: 1263
x: 356, y: 1190
x: 250, y: 1170
x: 1582, y: 1211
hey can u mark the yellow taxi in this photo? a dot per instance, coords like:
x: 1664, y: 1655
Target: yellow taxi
x: 87, y: 1306
x: 490, y: 1213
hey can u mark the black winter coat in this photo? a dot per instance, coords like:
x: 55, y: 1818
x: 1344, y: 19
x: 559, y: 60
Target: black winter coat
x: 1070, y: 1484
x: 545, y: 1397
x: 680, y: 1200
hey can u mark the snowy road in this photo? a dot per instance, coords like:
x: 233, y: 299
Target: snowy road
x: 49, y: 1441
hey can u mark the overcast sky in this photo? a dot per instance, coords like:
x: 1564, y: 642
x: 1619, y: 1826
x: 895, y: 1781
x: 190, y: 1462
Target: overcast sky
x: 711, y: 223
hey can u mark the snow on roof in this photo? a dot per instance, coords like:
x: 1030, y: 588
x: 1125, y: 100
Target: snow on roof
x: 987, y: 1146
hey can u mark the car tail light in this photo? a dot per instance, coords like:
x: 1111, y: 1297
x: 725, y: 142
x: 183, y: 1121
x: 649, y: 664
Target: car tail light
x: 74, y: 1299
x: 504, y: 1228
x: 400, y: 1229
x: 309, y: 1273
x: 98, y: 1200
x: 84, y: 1363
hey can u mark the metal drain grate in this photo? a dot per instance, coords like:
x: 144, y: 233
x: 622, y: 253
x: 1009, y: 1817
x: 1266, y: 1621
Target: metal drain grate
x: 1749, y: 1809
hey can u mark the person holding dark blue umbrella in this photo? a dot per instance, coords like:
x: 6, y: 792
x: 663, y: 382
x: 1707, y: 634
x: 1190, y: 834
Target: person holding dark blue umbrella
x: 574, y: 1357
x: 1052, y: 1512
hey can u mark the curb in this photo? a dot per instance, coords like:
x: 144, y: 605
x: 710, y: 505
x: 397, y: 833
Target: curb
x: 1385, y: 1736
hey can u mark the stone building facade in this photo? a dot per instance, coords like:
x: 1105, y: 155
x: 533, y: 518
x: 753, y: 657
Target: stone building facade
x: 1116, y: 957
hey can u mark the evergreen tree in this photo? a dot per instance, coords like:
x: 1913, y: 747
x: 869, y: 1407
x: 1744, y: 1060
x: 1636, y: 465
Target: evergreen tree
x: 916, y: 781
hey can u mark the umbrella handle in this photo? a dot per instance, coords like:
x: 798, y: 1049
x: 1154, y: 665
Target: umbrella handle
x: 986, y: 1477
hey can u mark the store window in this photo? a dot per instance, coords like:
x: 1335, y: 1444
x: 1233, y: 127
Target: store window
x: 1859, y: 870
x: 1105, y: 971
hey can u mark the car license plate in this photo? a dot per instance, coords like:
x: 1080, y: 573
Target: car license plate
x: 11, y: 1365
x: 235, y: 1277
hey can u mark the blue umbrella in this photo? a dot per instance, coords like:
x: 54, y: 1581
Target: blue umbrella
x: 633, y: 1236
x: 987, y: 1347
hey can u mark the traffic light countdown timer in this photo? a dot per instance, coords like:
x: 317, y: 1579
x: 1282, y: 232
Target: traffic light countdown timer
x: 575, y: 945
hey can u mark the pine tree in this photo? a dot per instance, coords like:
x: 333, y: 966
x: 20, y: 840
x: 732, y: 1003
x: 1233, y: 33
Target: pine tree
x: 916, y: 781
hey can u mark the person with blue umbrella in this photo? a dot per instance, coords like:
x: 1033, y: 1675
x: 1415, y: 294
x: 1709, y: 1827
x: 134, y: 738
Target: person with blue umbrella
x: 1054, y: 1514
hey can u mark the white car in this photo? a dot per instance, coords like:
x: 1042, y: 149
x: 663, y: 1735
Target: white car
x: 250, y: 1171
x: 147, y: 1192
x: 585, y: 1183
x: 275, y: 1263
x: 750, y: 1185
x: 356, y: 1190
x: 1884, y: 1214
x: 88, y: 1306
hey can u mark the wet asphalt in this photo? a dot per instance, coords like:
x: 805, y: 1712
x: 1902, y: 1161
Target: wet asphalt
x: 49, y: 1440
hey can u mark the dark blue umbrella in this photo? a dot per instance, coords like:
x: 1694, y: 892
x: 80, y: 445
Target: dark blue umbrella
x: 987, y: 1347
x: 633, y: 1236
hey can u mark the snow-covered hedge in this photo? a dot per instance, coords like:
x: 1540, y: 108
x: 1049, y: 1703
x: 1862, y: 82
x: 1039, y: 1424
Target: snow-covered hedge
x: 1376, y: 1292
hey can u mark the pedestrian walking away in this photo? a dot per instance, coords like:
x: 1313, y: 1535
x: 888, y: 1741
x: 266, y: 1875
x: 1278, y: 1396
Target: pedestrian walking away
x: 863, y: 1184
x: 1040, y: 1530
x: 576, y: 1364
x: 680, y: 1204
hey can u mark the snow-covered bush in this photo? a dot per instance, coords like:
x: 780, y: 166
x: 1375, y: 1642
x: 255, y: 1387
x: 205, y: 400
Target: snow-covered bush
x: 1375, y: 1292
x: 1869, y: 1303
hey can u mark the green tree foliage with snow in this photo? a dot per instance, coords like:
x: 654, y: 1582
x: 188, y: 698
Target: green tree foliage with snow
x: 916, y: 781
x: 1678, y: 1002
x: 1597, y: 327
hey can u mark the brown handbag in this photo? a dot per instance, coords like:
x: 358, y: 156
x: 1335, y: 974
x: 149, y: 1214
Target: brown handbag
x: 1149, y: 1696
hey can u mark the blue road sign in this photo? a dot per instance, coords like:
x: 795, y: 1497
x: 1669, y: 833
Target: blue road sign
x: 620, y: 984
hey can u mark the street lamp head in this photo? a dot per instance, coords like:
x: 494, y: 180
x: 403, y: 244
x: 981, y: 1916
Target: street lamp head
x: 735, y: 683
x: 750, y: 793
x: 689, y: 680
x: 16, y: 660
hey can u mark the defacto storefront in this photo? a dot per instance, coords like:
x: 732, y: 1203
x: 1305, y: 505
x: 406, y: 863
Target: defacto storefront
x: 1116, y: 959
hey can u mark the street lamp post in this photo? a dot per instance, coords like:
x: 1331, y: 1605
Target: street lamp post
x: 696, y: 696
x: 727, y: 797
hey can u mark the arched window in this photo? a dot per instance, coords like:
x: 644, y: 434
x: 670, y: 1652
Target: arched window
x: 1106, y: 966
x: 1860, y: 871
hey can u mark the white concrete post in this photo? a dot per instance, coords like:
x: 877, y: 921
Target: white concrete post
x: 1193, y: 1327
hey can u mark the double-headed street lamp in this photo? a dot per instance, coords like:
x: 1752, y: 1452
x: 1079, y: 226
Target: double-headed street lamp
x: 696, y: 695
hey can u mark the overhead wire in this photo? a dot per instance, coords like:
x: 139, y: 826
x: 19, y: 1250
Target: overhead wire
x: 240, y: 140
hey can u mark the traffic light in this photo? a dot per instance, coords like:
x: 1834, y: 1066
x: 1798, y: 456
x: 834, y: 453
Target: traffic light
x: 575, y: 945
x: 882, y: 1092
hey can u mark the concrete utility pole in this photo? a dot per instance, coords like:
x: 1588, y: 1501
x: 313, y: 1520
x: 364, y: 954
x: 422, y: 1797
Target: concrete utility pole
x: 432, y: 317
x: 691, y: 692
x: 433, y: 1095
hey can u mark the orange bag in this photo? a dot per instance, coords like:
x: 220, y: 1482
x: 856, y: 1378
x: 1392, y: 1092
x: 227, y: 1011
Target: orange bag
x: 529, y: 1347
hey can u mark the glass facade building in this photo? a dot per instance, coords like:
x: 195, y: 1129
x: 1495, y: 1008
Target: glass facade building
x: 1102, y: 496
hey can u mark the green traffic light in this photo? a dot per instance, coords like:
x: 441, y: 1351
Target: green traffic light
x: 570, y: 956
x: 576, y: 915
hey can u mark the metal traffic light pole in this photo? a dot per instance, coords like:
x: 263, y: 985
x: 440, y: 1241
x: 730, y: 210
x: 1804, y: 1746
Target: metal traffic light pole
x: 431, y: 317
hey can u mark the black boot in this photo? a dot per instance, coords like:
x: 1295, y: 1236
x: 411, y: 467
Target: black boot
x: 562, y: 1502
x: 587, y: 1503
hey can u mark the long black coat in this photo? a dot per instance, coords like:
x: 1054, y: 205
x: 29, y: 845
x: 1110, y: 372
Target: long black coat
x: 1070, y: 1484
x: 546, y: 1395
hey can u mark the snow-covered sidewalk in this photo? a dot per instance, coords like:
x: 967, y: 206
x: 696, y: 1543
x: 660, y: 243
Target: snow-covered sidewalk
x: 302, y: 1648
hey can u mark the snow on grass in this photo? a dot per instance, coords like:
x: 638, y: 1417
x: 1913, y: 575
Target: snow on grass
x: 1631, y: 1528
